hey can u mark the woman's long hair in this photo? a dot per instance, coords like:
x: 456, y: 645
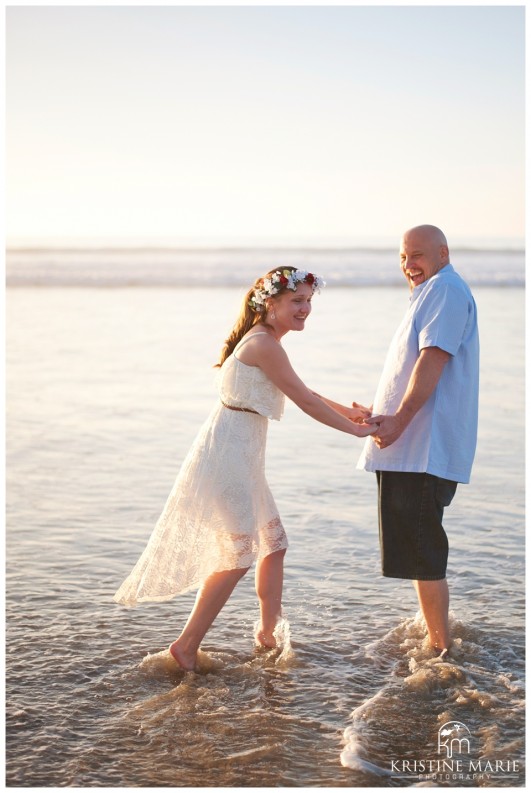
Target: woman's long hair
x: 248, y: 317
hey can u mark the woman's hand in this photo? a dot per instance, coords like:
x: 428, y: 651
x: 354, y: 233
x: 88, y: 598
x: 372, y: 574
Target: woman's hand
x: 358, y: 413
x: 362, y: 430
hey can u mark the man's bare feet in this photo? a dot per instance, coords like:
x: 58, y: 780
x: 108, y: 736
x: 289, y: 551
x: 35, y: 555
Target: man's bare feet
x: 185, y: 660
x: 265, y: 639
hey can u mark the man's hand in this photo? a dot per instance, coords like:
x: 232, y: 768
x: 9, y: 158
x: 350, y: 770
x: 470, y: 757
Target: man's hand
x: 422, y: 383
x: 388, y: 429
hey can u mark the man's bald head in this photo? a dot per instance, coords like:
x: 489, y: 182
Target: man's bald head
x: 430, y: 234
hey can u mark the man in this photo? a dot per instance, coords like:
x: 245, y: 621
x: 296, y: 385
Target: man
x: 426, y: 411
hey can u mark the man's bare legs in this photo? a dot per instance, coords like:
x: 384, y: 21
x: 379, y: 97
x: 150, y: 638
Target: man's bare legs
x: 269, y: 580
x: 210, y: 599
x: 434, y: 600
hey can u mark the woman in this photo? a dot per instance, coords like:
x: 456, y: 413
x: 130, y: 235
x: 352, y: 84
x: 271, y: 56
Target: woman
x: 220, y: 516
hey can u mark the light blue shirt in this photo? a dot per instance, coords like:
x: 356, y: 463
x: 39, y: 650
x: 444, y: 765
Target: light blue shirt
x: 441, y: 437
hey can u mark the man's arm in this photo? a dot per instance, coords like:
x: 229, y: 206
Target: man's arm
x: 424, y: 378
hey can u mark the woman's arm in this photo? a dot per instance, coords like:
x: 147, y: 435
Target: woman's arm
x: 357, y: 412
x: 267, y: 353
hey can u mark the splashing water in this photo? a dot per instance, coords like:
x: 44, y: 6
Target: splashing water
x: 282, y: 634
x: 474, y: 686
x: 161, y: 665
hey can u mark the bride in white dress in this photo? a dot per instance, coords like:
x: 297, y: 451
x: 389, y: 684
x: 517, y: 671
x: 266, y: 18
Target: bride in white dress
x: 220, y: 516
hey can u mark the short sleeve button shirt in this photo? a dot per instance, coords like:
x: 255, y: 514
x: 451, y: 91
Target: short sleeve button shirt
x: 441, y: 438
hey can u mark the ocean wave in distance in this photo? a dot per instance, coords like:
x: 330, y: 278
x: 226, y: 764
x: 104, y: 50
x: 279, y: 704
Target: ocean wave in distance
x: 238, y: 267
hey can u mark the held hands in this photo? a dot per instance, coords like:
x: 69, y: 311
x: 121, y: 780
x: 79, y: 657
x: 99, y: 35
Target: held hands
x: 362, y: 430
x: 358, y: 414
x: 387, y: 429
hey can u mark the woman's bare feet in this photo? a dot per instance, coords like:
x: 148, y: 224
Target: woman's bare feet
x: 265, y: 639
x: 185, y: 660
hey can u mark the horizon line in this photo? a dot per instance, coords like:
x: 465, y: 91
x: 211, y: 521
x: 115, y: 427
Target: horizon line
x: 79, y: 244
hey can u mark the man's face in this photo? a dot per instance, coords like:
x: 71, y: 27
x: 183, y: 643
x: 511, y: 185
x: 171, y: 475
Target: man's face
x: 421, y: 257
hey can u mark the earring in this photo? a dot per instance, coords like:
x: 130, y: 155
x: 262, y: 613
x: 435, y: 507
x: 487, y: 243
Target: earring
x: 272, y: 315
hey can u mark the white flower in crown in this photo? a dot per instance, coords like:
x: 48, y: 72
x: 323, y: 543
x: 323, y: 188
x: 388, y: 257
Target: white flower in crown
x: 281, y: 279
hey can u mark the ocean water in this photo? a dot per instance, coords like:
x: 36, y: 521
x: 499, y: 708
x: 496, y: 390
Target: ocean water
x: 239, y: 266
x: 106, y: 388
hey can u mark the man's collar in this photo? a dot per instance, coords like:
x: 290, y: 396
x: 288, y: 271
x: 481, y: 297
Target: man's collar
x: 448, y: 268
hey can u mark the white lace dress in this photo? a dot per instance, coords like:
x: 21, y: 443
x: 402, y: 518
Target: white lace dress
x: 220, y: 514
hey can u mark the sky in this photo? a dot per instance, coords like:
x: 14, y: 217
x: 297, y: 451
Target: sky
x: 297, y: 124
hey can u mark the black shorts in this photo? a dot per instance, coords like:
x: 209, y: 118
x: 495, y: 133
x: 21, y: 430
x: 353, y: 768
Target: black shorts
x: 413, y: 542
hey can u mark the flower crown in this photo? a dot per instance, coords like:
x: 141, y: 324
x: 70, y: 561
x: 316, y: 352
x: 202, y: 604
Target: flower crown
x: 280, y: 279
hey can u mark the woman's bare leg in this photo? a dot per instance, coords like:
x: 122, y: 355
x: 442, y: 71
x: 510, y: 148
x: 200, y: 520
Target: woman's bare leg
x: 269, y: 581
x: 211, y: 598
